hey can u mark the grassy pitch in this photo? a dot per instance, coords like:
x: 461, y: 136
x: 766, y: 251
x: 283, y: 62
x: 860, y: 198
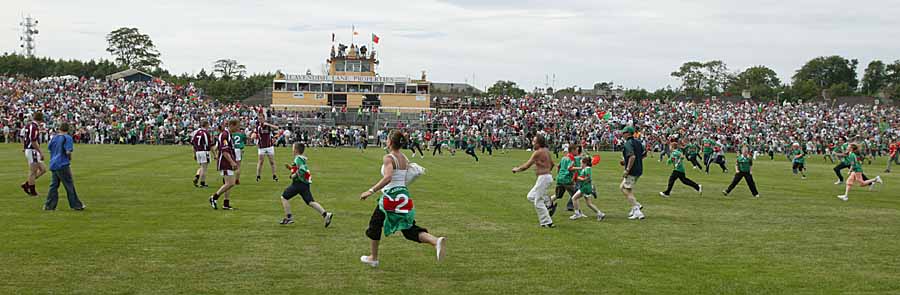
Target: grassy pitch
x: 148, y: 230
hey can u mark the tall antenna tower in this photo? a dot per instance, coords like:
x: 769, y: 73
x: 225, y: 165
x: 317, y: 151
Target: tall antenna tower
x: 28, y: 32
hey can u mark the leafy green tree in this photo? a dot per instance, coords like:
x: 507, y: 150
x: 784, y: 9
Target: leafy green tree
x: 804, y: 89
x: 229, y: 68
x: 132, y: 49
x: 875, y: 78
x: 505, y: 88
x: 703, y: 78
x: 827, y: 71
x: 637, y: 94
x: 761, y: 81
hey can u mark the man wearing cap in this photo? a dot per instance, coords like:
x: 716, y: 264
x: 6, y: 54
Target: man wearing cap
x: 633, y: 155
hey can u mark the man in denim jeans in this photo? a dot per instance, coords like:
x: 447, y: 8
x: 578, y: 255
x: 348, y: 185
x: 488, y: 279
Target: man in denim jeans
x: 61, y: 147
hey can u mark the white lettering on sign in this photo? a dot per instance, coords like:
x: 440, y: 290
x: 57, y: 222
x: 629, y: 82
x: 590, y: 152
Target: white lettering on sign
x: 329, y: 78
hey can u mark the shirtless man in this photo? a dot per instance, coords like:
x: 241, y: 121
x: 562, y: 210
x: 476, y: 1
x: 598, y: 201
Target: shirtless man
x: 540, y: 158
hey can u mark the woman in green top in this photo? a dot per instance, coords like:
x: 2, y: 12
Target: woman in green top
x: 585, y: 188
x: 744, y: 168
x: 856, y: 172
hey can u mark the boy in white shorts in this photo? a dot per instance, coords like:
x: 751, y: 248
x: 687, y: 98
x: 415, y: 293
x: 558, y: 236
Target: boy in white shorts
x: 201, y: 143
x: 33, y: 154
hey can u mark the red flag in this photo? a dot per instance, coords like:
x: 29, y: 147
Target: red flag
x: 375, y: 38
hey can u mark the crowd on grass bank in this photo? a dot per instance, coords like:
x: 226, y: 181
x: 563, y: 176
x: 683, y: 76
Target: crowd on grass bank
x: 158, y: 112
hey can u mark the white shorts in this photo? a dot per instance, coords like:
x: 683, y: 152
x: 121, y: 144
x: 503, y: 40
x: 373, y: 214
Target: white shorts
x: 266, y: 151
x: 226, y: 172
x: 33, y: 156
x: 237, y: 155
x: 202, y: 157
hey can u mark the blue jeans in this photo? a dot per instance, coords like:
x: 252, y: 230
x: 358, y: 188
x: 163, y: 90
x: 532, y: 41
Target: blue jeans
x: 63, y: 175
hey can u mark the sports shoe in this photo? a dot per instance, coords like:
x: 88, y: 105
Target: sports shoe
x: 552, y: 208
x: 257, y: 178
x: 803, y: 177
x: 25, y: 188
x: 328, y: 216
x: 878, y: 179
x: 365, y: 259
x: 212, y: 202
x: 843, y: 198
x: 637, y: 215
x: 724, y: 193
x: 600, y: 216
x: 700, y: 189
x: 203, y: 186
x: 286, y: 221
x: 195, y: 182
x: 228, y: 208
x: 756, y: 196
x: 441, y: 248
x: 577, y: 215
x: 664, y: 195
x: 548, y: 225
x: 275, y: 178
x: 838, y: 182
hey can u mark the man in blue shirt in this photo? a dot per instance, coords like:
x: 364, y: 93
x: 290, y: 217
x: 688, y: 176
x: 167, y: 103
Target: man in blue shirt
x: 61, y: 147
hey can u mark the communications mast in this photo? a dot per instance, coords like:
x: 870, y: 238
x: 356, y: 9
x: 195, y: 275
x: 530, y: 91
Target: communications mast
x: 28, y: 32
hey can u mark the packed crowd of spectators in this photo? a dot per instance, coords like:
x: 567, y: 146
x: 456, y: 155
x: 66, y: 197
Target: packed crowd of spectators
x: 594, y: 122
x: 157, y: 112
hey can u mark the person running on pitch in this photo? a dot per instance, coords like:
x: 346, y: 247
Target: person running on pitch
x: 676, y: 159
x: 33, y: 153
x: 744, y: 168
x: 856, y: 172
x: 301, y: 181
x: 226, y: 166
x: 798, y: 161
x: 540, y: 159
x: 707, y: 153
x: 395, y: 211
x: 718, y: 157
x: 565, y: 178
x: 437, y: 142
x: 893, y: 156
x: 839, y: 152
x: 414, y: 144
x: 470, y: 149
x: 693, y: 151
x: 633, y: 156
x: 585, y: 191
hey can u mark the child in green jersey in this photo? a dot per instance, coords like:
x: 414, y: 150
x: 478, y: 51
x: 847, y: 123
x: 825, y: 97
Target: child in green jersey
x: 676, y: 159
x: 585, y: 190
x: 744, y: 168
x: 301, y: 180
x: 799, y: 160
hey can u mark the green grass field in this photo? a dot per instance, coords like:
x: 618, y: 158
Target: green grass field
x: 148, y: 230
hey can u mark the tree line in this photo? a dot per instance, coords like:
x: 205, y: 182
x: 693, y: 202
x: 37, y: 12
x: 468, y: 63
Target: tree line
x: 820, y: 78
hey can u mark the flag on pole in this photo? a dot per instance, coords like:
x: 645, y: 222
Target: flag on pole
x: 332, y: 37
x: 375, y: 38
x: 355, y: 33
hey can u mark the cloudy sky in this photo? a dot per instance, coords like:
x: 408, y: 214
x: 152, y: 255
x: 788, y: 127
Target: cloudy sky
x: 633, y: 43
